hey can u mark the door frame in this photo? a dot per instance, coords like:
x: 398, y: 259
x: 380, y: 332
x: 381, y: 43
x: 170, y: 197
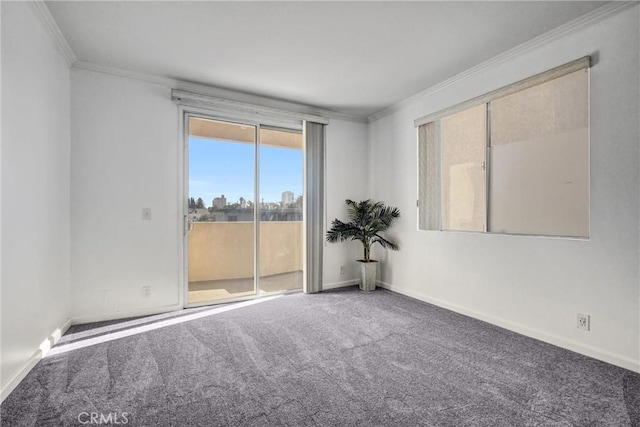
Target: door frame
x: 249, y: 119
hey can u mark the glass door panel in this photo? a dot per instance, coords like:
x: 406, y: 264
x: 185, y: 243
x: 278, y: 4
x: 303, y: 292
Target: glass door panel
x: 221, y: 209
x: 280, y: 210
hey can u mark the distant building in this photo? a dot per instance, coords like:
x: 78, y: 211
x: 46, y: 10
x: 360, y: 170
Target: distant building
x: 243, y: 202
x: 270, y: 206
x: 232, y: 215
x: 288, y: 214
x: 196, y: 214
x: 220, y: 202
x: 287, y: 198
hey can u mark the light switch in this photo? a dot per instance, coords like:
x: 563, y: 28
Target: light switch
x: 146, y: 214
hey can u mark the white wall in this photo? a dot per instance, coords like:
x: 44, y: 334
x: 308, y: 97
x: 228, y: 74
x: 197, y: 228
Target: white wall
x: 534, y: 285
x: 125, y: 156
x: 346, y: 178
x: 35, y: 191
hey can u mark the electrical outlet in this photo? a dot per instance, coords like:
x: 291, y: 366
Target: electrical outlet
x: 342, y: 269
x: 584, y: 321
x: 146, y: 291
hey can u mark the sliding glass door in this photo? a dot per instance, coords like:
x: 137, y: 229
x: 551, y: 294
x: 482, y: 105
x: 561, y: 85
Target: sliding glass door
x: 280, y: 210
x: 244, y: 210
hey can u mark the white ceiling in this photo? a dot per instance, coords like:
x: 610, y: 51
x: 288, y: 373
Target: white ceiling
x: 354, y: 58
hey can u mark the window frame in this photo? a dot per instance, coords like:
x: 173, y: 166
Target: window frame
x: 583, y: 63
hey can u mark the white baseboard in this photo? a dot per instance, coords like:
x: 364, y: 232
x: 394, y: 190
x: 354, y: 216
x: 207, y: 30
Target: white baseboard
x: 46, y: 344
x: 596, y: 353
x: 126, y: 314
x: 334, y: 285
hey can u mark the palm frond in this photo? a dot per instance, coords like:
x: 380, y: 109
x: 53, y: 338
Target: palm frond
x: 385, y: 215
x: 341, y: 231
x: 386, y: 243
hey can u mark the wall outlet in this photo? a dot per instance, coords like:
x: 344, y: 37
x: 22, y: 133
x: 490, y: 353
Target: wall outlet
x: 342, y: 269
x: 584, y: 321
x: 146, y: 214
x: 146, y: 291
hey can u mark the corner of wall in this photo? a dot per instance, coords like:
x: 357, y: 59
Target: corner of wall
x: 9, y: 385
x: 35, y: 163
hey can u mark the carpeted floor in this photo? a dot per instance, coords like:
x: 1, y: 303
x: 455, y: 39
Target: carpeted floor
x: 339, y: 358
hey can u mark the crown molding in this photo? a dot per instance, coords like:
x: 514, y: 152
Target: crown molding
x: 586, y: 20
x: 42, y: 12
x: 218, y: 92
x: 105, y: 69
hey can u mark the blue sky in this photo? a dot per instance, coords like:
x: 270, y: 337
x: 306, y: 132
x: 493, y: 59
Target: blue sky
x: 222, y: 167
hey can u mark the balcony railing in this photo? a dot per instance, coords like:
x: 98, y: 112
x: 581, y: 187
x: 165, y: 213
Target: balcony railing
x: 221, y: 258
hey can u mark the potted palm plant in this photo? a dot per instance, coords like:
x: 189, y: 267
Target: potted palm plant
x: 366, y: 221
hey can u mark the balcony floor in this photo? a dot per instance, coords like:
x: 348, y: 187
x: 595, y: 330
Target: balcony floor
x: 213, y: 290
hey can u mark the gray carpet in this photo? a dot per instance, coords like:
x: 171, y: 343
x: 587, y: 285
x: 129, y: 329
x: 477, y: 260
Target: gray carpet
x: 340, y: 358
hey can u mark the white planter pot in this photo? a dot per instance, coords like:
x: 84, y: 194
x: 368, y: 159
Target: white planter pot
x: 368, y: 275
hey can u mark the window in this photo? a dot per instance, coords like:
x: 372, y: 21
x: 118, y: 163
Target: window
x: 514, y: 161
x: 463, y: 139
